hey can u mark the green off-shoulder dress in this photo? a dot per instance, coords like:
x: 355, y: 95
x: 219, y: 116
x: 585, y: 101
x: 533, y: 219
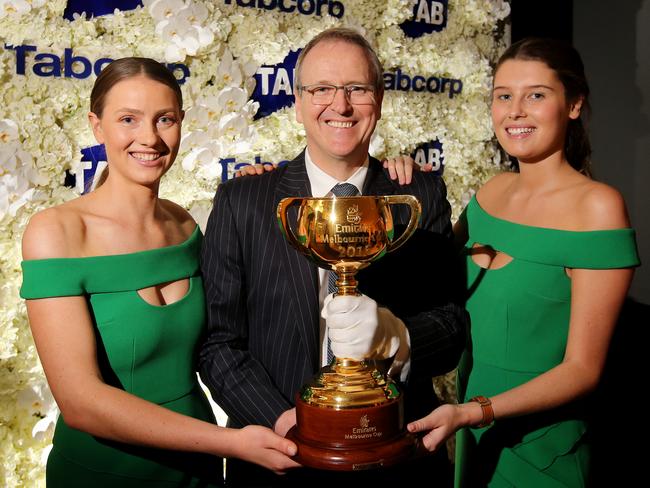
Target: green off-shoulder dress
x: 146, y: 350
x: 520, y: 321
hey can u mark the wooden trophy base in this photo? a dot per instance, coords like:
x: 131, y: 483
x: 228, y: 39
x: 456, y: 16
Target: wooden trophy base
x: 351, y: 439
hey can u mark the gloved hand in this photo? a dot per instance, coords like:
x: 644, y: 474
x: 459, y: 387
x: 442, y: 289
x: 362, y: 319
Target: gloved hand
x: 358, y: 329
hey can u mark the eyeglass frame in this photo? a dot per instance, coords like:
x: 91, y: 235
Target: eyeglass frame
x: 345, y: 88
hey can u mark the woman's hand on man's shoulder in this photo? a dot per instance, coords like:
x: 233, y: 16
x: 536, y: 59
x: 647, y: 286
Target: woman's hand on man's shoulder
x: 401, y: 168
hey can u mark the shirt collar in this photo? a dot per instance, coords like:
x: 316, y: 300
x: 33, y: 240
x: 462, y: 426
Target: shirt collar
x: 322, y: 183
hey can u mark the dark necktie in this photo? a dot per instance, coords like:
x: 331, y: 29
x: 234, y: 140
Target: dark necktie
x: 340, y: 190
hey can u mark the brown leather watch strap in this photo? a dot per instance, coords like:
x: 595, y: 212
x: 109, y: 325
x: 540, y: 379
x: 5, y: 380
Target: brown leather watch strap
x: 486, y: 407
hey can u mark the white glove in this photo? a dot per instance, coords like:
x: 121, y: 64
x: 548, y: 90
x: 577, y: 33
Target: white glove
x: 358, y: 329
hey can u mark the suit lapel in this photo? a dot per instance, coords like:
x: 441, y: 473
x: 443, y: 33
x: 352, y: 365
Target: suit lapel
x: 376, y: 182
x: 301, y: 273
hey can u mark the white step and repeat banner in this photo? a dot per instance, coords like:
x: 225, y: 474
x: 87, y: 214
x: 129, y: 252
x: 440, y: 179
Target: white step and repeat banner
x: 234, y: 60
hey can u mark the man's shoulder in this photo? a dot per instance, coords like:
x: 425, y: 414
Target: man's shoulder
x: 253, y: 183
x: 429, y: 186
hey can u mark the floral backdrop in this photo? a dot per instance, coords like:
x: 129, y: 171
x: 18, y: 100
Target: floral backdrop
x: 43, y: 126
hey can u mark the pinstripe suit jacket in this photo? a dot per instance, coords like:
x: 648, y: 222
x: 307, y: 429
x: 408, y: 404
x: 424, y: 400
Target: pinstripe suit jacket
x: 262, y: 342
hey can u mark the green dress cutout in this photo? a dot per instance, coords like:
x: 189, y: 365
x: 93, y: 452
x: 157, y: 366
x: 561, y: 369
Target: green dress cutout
x: 144, y: 349
x: 520, y: 321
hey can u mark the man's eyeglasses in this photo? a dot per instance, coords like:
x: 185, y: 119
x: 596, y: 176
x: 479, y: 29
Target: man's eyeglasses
x: 323, y: 94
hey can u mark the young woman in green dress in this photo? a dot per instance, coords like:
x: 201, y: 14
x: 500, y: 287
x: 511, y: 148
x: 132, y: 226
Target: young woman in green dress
x: 549, y: 256
x: 115, y: 303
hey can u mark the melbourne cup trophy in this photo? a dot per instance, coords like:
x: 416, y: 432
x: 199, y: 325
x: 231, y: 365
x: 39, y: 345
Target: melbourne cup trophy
x: 350, y: 416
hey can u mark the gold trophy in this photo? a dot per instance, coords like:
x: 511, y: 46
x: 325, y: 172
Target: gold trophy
x: 350, y: 416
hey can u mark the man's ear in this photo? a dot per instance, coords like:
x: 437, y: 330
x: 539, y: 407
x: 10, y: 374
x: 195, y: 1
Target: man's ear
x: 380, y: 98
x: 95, y: 125
x: 298, y: 106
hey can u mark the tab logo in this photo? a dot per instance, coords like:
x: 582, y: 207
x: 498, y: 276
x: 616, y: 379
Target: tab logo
x: 428, y: 16
x: 430, y: 153
x: 274, y: 85
x: 93, y: 162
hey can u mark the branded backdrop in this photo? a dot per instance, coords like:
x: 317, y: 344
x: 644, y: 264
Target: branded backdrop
x: 234, y: 60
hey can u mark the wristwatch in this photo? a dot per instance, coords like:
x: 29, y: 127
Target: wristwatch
x: 488, y: 412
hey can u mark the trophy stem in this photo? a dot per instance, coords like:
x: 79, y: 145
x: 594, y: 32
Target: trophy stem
x: 346, y: 282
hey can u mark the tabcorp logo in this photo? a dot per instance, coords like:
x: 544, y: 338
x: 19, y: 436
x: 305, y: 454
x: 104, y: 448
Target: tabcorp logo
x: 430, y: 153
x: 274, y: 85
x: 97, y: 8
x: 332, y: 8
x: 418, y: 83
x: 71, y: 65
x: 428, y: 16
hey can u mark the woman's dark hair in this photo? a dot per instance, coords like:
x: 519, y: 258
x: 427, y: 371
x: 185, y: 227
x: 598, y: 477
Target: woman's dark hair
x: 122, y: 69
x: 562, y: 58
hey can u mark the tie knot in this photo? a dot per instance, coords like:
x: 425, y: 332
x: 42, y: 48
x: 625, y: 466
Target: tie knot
x: 345, y: 190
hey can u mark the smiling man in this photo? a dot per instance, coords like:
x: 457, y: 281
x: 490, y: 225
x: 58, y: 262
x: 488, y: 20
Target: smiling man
x: 269, y: 314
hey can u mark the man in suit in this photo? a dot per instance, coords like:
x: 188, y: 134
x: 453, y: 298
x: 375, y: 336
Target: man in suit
x: 266, y: 336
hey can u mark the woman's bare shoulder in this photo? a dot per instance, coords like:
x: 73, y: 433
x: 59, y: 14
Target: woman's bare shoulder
x: 600, y: 207
x: 495, y: 186
x: 179, y: 215
x: 56, y: 232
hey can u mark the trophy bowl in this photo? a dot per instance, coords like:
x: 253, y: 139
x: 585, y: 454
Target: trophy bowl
x: 350, y: 416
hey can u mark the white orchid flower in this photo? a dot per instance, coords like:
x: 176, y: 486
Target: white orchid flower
x: 232, y: 99
x: 194, y: 13
x: 229, y: 70
x: 9, y: 7
x: 195, y: 139
x: 165, y: 9
x: 233, y: 125
x: 198, y: 156
x: 8, y: 130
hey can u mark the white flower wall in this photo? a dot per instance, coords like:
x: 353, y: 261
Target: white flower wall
x: 43, y: 127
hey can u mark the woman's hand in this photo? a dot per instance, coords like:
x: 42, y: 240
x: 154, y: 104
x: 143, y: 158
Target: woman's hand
x: 262, y: 446
x: 401, y: 168
x: 254, y: 169
x: 444, y: 421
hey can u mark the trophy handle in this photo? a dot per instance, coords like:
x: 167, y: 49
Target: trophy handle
x: 286, y: 229
x: 416, y: 211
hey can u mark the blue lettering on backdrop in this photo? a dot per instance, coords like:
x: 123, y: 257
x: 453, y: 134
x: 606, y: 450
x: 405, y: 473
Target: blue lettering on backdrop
x: 93, y: 162
x: 231, y: 164
x: 304, y: 7
x: 95, y: 8
x: 274, y: 85
x: 428, y: 16
x: 72, y: 65
x: 430, y: 153
x: 433, y: 84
